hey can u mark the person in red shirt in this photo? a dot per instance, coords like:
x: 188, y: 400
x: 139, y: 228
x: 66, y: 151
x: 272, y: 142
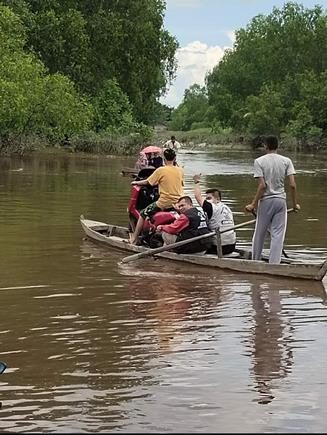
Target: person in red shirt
x: 191, y: 223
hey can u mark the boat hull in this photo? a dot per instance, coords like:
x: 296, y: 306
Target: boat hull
x: 129, y: 172
x: 117, y: 237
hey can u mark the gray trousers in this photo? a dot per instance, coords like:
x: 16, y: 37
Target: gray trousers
x: 271, y: 216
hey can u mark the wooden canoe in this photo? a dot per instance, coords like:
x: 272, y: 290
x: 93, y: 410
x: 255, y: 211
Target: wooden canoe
x: 129, y: 172
x: 143, y: 173
x: 117, y: 237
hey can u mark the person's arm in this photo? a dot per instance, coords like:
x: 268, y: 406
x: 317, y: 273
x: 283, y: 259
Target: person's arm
x: 260, y: 191
x: 155, y: 177
x: 177, y: 145
x: 140, y: 183
x: 197, y: 189
x: 292, y: 184
x: 177, y: 226
x: 207, y: 208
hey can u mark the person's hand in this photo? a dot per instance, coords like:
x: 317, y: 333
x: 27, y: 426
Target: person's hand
x: 134, y: 183
x: 250, y: 208
x: 196, y: 178
x: 297, y: 207
x: 159, y: 228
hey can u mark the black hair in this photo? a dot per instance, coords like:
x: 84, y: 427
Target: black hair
x: 187, y: 198
x: 215, y: 192
x: 169, y: 154
x: 271, y: 142
x: 173, y: 138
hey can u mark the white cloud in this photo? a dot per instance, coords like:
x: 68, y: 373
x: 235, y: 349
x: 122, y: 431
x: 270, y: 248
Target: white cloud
x: 231, y: 35
x: 194, y: 61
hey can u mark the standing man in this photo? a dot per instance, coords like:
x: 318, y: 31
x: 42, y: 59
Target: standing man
x: 173, y: 144
x: 191, y: 223
x: 219, y: 216
x: 270, y: 200
x: 170, y: 180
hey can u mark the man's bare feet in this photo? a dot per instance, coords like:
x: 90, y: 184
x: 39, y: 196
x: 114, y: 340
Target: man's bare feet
x: 132, y: 239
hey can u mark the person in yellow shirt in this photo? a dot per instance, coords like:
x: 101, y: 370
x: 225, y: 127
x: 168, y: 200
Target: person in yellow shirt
x: 170, y: 180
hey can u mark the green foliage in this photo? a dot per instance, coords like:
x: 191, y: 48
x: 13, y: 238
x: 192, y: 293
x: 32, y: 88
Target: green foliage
x: 12, y: 31
x: 31, y: 101
x: 52, y: 51
x: 179, y: 118
x: 112, y: 108
x: 107, y: 143
x: 217, y: 128
x: 193, y: 111
x: 203, y: 136
x: 263, y: 113
x: 95, y: 41
x: 161, y: 114
x: 54, y: 119
x: 62, y: 43
x: 274, y: 79
x: 308, y: 114
x: 113, y: 112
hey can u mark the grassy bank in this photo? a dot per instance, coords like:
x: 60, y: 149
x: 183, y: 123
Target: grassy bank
x: 226, y: 139
x: 90, y: 142
x: 106, y: 144
x: 203, y: 137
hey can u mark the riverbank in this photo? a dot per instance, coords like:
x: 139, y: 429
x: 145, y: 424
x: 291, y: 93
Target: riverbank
x: 106, y: 144
x: 89, y: 142
x: 92, y: 143
x: 204, y: 138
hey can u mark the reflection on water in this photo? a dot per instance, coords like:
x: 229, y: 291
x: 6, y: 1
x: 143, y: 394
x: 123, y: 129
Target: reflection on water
x: 151, y: 346
x: 272, y: 341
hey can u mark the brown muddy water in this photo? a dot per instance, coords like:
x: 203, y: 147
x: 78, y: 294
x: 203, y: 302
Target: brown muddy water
x: 152, y: 346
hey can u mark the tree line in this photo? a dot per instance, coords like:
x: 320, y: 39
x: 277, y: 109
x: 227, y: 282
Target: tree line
x: 273, y: 81
x: 72, y: 66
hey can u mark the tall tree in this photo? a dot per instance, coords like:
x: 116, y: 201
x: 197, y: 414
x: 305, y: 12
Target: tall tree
x: 193, y: 111
x: 270, y: 50
x: 94, y: 41
x: 32, y: 101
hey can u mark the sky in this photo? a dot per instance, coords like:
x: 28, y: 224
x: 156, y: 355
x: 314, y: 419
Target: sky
x: 204, y: 29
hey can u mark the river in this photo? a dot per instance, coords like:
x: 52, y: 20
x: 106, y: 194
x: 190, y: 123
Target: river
x: 151, y: 346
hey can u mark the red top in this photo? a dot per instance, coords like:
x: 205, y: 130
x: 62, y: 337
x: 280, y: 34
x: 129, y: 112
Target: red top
x: 177, y: 226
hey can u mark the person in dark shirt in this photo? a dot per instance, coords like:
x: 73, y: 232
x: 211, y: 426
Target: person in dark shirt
x: 191, y: 223
x: 156, y: 160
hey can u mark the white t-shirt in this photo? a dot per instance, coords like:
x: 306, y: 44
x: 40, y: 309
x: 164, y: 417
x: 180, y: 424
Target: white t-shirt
x: 173, y: 145
x: 274, y: 168
x: 220, y: 216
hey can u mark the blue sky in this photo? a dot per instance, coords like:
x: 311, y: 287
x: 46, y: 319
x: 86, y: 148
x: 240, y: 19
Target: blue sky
x: 204, y: 29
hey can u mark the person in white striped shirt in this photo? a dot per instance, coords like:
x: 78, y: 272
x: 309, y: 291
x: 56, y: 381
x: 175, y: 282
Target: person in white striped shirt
x: 219, y: 216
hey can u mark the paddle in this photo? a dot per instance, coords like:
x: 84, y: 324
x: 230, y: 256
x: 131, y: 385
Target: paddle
x: 181, y: 243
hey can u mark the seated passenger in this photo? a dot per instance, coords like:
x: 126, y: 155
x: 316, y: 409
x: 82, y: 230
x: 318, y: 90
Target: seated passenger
x: 219, y: 216
x: 156, y: 160
x: 191, y: 223
x: 142, y: 162
x: 170, y: 181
